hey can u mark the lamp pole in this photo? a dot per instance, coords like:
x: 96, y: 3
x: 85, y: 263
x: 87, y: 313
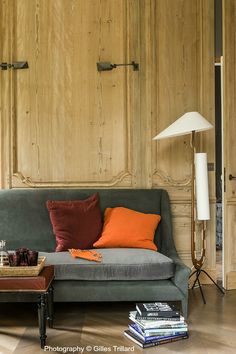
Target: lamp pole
x: 190, y: 123
x: 197, y: 263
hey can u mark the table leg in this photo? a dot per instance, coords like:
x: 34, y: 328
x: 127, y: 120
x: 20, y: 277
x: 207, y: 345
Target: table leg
x: 42, y: 319
x: 50, y: 306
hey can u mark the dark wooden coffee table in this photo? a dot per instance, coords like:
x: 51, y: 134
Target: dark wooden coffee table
x: 41, y: 286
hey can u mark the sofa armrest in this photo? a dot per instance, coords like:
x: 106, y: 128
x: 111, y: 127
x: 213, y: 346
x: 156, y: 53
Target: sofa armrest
x: 182, y: 272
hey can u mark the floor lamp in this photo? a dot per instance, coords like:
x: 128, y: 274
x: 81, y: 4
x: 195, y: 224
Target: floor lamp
x: 191, y: 123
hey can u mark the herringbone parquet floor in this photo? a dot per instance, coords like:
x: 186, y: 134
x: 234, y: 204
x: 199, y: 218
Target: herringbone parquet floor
x: 212, y: 327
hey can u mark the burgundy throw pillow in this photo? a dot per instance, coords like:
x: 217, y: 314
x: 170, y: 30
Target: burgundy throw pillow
x: 76, y: 223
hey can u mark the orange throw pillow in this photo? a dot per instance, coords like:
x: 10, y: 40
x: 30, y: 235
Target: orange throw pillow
x: 128, y: 228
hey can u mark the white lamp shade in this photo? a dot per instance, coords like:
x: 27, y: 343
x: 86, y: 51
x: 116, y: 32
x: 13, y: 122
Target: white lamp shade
x: 189, y: 122
x: 202, y: 193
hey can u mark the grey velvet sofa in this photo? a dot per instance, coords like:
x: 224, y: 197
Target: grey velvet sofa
x: 124, y: 274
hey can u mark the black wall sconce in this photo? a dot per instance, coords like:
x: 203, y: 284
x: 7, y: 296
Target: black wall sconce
x: 106, y: 66
x: 16, y: 65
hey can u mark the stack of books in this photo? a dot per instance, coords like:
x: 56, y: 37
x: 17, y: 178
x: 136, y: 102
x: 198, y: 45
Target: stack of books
x: 156, y: 323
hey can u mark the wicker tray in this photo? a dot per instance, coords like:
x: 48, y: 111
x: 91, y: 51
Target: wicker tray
x: 29, y: 271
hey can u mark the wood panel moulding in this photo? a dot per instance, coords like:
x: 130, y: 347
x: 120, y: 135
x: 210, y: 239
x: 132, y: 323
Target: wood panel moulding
x: 185, y: 79
x: 229, y: 107
x: 72, y: 124
x: 177, y: 88
x: 230, y: 232
x: 229, y: 121
x: 231, y: 280
x: 6, y: 92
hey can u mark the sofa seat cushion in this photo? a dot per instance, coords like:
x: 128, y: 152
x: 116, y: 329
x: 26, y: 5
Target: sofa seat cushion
x: 117, y: 264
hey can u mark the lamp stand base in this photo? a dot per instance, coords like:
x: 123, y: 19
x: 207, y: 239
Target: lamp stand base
x: 197, y: 280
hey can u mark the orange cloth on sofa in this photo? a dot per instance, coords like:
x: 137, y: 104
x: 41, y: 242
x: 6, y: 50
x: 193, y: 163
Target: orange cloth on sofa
x: 90, y: 255
x: 125, y: 227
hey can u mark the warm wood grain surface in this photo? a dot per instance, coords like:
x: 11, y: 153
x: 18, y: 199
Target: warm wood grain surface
x: 72, y: 122
x: 211, y: 326
x: 65, y: 124
x: 229, y: 114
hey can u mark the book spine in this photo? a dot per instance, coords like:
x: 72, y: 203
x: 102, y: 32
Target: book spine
x: 144, y: 333
x: 145, y: 327
x: 154, y: 318
x: 164, y: 341
x: 167, y: 325
x: 148, y: 338
x: 164, y: 333
x: 158, y: 330
x: 164, y: 314
x: 157, y: 311
x: 153, y: 343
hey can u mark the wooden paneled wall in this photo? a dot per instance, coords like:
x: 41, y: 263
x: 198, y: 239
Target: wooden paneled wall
x: 229, y: 119
x: 66, y: 124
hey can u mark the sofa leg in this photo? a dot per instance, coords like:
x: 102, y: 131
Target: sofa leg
x: 184, y: 304
x: 50, y: 314
x: 42, y: 319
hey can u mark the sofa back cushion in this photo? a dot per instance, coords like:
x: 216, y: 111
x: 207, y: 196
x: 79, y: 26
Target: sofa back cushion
x: 24, y: 218
x: 76, y: 223
x: 124, y: 227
